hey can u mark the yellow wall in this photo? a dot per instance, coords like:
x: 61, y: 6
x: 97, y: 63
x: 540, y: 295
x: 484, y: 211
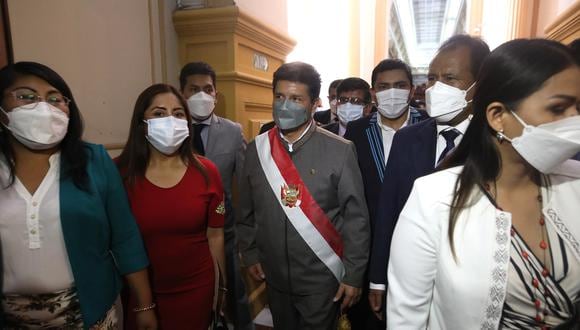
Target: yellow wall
x: 229, y: 39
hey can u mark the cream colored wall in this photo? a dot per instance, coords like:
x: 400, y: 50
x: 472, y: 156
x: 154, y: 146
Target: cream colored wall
x: 350, y: 37
x: 270, y: 12
x: 108, y: 52
x: 549, y: 10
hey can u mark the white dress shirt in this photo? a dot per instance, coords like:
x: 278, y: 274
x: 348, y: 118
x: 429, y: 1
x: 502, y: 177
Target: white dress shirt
x: 387, y: 134
x: 205, y: 131
x: 34, y: 255
x: 441, y: 143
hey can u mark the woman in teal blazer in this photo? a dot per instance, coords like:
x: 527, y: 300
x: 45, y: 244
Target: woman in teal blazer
x: 62, y: 261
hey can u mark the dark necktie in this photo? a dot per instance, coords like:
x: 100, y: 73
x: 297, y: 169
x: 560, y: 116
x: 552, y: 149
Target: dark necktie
x: 197, y: 140
x: 449, y: 136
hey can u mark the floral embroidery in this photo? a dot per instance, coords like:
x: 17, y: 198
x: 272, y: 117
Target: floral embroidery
x: 564, y: 231
x: 497, y: 290
x: 50, y: 310
x: 221, y: 209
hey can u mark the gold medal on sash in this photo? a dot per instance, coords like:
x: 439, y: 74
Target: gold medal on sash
x: 290, y: 195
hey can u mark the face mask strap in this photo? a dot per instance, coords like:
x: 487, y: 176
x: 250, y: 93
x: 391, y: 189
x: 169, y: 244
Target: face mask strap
x: 518, y: 118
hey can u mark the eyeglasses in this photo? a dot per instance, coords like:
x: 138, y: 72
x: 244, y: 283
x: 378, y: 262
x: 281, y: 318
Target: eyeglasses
x: 351, y: 100
x: 29, y: 99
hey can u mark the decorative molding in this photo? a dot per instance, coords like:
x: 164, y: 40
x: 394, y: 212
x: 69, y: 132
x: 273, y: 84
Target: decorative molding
x: 114, y: 146
x: 258, y: 107
x: 566, y: 27
x: 244, y: 78
x: 231, y: 20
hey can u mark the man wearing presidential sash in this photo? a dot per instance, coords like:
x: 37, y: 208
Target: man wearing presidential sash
x: 304, y: 226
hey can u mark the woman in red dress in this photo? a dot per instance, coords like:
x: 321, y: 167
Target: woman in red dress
x: 177, y: 199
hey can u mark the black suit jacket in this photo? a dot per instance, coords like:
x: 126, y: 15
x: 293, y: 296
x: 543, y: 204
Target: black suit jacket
x: 332, y: 127
x: 322, y: 117
x: 412, y: 156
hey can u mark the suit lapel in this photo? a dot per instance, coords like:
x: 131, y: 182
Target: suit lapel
x: 377, y: 152
x: 424, y: 148
x: 212, y: 133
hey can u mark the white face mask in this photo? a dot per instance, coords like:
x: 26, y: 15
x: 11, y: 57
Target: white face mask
x: 392, y: 102
x: 547, y: 146
x: 167, y: 134
x: 201, y: 105
x: 348, y: 112
x: 39, y: 128
x: 444, y: 102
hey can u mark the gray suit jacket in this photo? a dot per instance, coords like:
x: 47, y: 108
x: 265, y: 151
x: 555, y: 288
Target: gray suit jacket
x: 226, y: 147
x: 265, y: 235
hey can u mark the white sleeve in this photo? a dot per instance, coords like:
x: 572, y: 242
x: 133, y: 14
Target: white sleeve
x: 413, y: 261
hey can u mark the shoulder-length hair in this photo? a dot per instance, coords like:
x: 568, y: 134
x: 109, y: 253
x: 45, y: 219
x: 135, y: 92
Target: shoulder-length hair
x: 511, y: 73
x: 73, y: 152
x: 134, y: 159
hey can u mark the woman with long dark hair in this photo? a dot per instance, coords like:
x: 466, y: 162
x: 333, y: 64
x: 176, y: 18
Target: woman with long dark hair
x: 177, y: 199
x: 67, y: 230
x: 492, y: 240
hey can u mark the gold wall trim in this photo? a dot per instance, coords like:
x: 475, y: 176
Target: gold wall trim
x: 114, y: 146
x: 245, y: 78
x: 566, y: 27
x: 231, y: 20
x: 259, y: 107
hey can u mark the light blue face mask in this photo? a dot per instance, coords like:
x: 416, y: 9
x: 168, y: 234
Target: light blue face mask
x: 289, y: 115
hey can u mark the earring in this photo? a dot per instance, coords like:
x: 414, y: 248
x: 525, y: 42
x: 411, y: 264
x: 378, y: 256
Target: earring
x: 499, y: 135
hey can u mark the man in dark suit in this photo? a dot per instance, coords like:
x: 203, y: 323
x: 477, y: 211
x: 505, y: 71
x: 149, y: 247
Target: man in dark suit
x: 354, y: 102
x: 372, y: 137
x: 222, y: 142
x: 328, y: 116
x: 418, y: 148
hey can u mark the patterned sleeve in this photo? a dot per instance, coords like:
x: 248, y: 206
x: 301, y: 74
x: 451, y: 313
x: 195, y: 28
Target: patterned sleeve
x: 216, y: 207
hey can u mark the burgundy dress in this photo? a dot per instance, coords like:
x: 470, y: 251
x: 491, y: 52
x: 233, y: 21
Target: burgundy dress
x: 173, y: 222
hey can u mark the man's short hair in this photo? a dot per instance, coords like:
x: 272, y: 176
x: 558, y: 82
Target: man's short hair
x: 195, y: 68
x: 334, y: 84
x: 389, y: 65
x: 477, y: 47
x: 299, y: 72
x: 354, y: 84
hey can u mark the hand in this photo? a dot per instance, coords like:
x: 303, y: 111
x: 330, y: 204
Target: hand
x: 350, y: 296
x: 376, y: 302
x: 146, y: 320
x: 256, y: 272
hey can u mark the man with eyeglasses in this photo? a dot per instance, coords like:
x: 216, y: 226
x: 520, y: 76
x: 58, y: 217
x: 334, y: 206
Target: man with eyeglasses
x: 325, y: 117
x: 353, y: 102
x: 304, y: 223
x: 392, y: 90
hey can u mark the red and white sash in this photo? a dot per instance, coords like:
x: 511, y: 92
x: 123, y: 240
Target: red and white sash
x: 300, y: 207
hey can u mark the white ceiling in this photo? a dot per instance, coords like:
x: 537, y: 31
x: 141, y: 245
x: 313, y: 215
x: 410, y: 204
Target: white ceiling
x: 425, y: 24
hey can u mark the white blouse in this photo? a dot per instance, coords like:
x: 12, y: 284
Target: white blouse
x: 34, y: 255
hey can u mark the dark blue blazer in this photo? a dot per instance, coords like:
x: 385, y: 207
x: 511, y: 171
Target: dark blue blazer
x: 412, y: 155
x: 367, y: 137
